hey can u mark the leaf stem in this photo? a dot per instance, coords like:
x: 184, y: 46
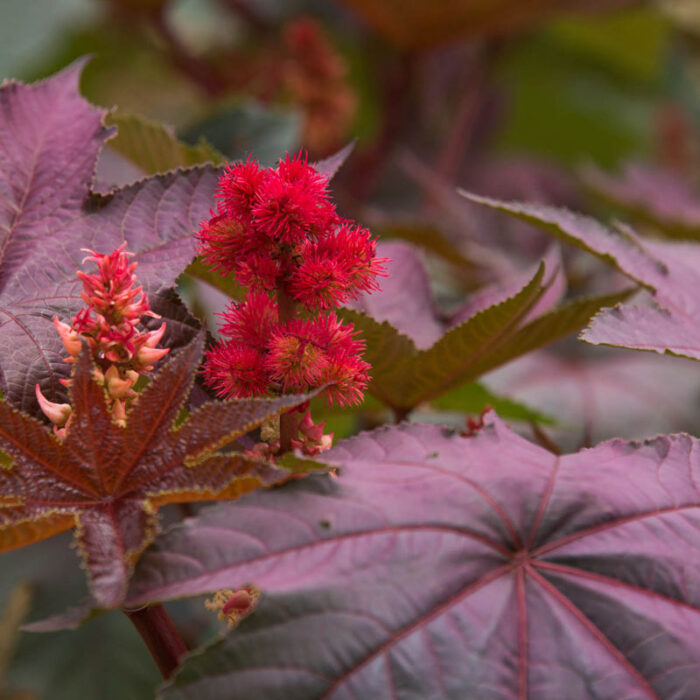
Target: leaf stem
x: 287, y: 310
x: 160, y: 636
x: 401, y: 414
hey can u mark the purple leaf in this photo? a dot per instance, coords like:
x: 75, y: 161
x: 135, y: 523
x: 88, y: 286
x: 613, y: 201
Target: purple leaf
x: 405, y: 299
x: 443, y: 566
x: 330, y: 166
x: 555, y: 282
x: 181, y: 326
x: 651, y: 195
x: 49, y: 139
x: 670, y: 270
x: 406, y: 337
x: 609, y: 393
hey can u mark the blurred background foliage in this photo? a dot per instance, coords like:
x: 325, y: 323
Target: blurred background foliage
x: 546, y: 100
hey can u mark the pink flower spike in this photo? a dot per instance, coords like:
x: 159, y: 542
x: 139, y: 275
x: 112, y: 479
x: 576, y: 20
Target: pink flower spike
x: 117, y: 387
x: 146, y: 356
x: 312, y: 440
x: 69, y: 337
x: 154, y: 337
x: 110, y: 292
x: 57, y: 413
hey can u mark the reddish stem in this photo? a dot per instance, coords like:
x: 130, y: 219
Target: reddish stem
x: 543, y: 439
x: 196, y: 69
x: 160, y: 636
x: 397, y: 88
x: 287, y: 311
x: 465, y: 119
x: 401, y: 414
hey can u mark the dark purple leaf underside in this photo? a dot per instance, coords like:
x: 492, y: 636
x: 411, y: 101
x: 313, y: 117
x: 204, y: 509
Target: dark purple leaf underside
x: 442, y: 566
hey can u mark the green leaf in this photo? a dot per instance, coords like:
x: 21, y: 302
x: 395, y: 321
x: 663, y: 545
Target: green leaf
x: 103, y: 659
x: 154, y: 148
x: 390, y: 353
x: 582, y: 110
x: 403, y: 376
x: 475, y: 397
x: 299, y: 465
x: 224, y: 283
x: 552, y: 326
x: 630, y: 44
x: 15, y: 610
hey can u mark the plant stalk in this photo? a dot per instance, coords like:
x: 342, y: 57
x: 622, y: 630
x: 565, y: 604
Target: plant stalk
x: 160, y: 636
x: 401, y: 414
x: 287, y: 311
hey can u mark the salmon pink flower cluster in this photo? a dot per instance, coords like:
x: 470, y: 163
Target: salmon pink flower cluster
x: 109, y: 326
x: 278, y: 232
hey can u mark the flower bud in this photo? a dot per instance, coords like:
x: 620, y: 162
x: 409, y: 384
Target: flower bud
x: 69, y: 337
x: 119, y: 412
x: 154, y: 337
x: 117, y: 387
x: 57, y: 413
x: 147, y: 356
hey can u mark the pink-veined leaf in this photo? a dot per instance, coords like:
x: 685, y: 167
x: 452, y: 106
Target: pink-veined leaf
x: 441, y: 566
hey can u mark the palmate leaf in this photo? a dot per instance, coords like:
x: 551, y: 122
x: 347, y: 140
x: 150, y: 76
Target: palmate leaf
x: 108, y: 481
x: 442, y: 566
x: 671, y: 271
x: 49, y: 140
x: 413, y: 360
